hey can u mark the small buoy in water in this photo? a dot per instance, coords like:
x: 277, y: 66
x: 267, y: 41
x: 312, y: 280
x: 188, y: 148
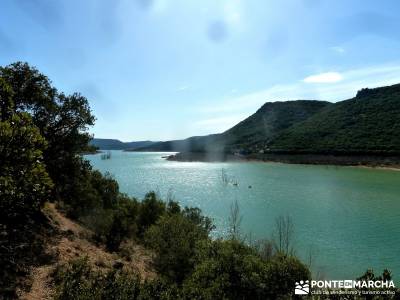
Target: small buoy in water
x: 249, y: 186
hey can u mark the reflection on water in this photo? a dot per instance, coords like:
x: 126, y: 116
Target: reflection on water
x: 347, y: 217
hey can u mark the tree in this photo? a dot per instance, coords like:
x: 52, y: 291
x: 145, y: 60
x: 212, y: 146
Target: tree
x: 6, y: 103
x: 24, y: 182
x: 150, y: 211
x: 62, y: 121
x: 235, y: 219
x: 283, y: 235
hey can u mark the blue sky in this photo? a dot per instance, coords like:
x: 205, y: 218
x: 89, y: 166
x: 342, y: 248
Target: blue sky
x: 167, y: 69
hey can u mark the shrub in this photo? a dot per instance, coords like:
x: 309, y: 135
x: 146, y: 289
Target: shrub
x: 232, y: 270
x: 195, y: 216
x: 282, y: 273
x: 159, y: 289
x: 77, y: 280
x: 112, y: 226
x: 100, y: 222
x: 226, y: 270
x: 174, y: 240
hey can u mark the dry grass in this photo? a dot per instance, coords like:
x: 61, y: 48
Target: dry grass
x: 74, y: 241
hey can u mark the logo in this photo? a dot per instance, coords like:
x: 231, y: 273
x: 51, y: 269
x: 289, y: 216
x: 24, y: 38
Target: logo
x: 302, y: 288
x: 344, y: 287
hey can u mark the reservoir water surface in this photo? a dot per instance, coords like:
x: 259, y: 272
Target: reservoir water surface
x: 348, y: 218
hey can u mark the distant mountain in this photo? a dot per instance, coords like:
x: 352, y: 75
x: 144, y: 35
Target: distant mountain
x: 366, y: 124
x: 112, y: 144
x: 264, y: 125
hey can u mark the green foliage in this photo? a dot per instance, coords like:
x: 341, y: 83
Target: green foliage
x: 271, y: 119
x: 6, y: 103
x: 24, y: 183
x: 174, y: 239
x: 196, y: 217
x: 112, y: 225
x: 173, y: 207
x: 100, y: 222
x: 221, y: 270
x: 116, y: 234
x: 282, y: 273
x: 42, y: 133
x: 232, y: 270
x: 92, y: 191
x: 159, y: 289
x: 226, y: 270
x: 62, y: 121
x: 79, y: 281
x: 151, y: 209
x: 366, y: 124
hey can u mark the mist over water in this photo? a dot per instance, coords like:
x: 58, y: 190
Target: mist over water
x: 347, y: 217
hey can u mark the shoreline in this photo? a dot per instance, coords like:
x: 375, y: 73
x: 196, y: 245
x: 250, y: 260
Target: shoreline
x: 391, y: 163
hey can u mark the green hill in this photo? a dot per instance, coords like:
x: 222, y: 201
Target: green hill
x: 268, y: 122
x: 264, y: 125
x: 112, y: 144
x: 366, y: 124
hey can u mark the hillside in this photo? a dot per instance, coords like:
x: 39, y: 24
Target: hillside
x: 113, y: 144
x: 366, y: 124
x: 361, y: 130
x: 70, y: 241
x: 267, y: 122
x: 264, y: 125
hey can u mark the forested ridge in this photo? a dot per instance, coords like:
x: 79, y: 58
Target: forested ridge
x: 368, y: 124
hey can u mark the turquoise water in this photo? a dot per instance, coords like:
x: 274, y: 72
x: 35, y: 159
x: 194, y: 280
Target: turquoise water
x: 348, y: 218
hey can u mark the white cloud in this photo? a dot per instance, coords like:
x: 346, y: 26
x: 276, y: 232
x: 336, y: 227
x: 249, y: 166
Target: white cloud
x: 329, y: 77
x: 182, y: 88
x: 338, y: 49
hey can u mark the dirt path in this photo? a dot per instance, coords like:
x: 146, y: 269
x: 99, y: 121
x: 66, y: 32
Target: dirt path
x: 73, y: 241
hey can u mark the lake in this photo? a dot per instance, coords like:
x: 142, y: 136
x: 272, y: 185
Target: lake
x: 347, y: 217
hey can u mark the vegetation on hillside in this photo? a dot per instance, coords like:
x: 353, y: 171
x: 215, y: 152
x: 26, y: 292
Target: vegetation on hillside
x: 264, y: 125
x: 366, y: 124
x: 112, y: 144
x: 267, y: 123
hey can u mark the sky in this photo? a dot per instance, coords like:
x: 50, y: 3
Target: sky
x: 170, y: 69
